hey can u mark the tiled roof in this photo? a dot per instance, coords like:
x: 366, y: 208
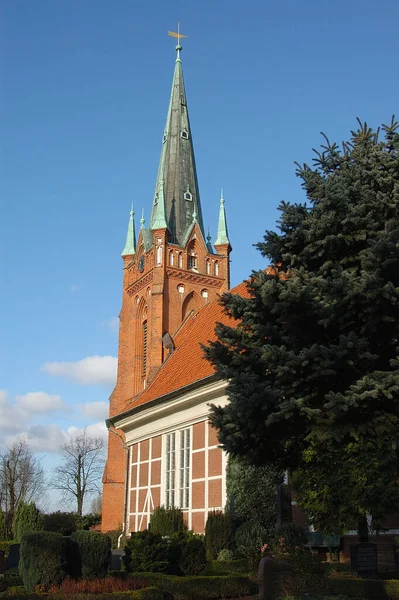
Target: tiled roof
x: 187, y: 364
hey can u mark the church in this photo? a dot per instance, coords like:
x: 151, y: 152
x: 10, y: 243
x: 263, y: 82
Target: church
x: 161, y: 447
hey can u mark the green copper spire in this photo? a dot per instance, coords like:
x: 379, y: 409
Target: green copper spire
x: 223, y: 236
x: 177, y: 168
x: 158, y: 217
x: 130, y: 246
x: 142, y: 220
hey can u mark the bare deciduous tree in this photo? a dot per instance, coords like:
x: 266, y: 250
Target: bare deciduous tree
x: 21, y: 478
x: 79, y: 474
x: 96, y: 504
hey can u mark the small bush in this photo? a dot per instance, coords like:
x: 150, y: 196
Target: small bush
x: 225, y: 555
x: 192, y: 559
x: 61, y: 522
x: 223, y: 567
x: 218, y: 533
x: 43, y: 559
x: 167, y: 521
x: 148, y: 593
x: 94, y: 551
x: 149, y: 552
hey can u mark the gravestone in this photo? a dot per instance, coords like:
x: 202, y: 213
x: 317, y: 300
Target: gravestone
x: 364, y: 559
x: 274, y: 579
x: 115, y: 563
x: 13, y: 557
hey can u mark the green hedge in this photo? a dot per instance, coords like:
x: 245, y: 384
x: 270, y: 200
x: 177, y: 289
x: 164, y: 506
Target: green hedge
x: 195, y: 587
x: 371, y: 589
x: 149, y: 593
x: 222, y: 567
x: 94, y: 551
x: 43, y: 559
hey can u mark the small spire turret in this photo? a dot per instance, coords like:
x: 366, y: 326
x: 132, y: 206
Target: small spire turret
x: 222, y: 236
x: 142, y: 220
x: 130, y: 246
x: 158, y: 220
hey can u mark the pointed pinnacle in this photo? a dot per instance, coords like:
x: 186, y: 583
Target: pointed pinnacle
x: 142, y: 220
x: 222, y: 236
x: 130, y: 246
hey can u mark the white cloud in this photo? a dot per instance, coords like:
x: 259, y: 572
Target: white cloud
x: 92, y: 370
x: 39, y: 402
x: 74, y: 288
x: 95, y: 410
x: 94, y: 430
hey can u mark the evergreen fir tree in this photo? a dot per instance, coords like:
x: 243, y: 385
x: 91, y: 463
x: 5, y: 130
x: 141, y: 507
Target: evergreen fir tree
x: 27, y: 520
x: 313, y: 363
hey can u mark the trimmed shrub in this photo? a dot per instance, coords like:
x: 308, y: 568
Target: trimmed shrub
x: 225, y: 555
x: 148, y: 593
x: 206, y: 588
x: 149, y: 552
x: 223, y: 567
x: 43, y: 559
x: 167, y: 521
x: 192, y: 559
x: 218, y: 533
x: 87, y: 521
x: 61, y: 522
x: 94, y: 550
x: 28, y: 519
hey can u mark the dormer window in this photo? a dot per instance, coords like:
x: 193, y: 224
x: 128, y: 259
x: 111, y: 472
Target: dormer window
x: 165, y: 137
x: 184, y: 134
x: 188, y: 195
x: 192, y: 262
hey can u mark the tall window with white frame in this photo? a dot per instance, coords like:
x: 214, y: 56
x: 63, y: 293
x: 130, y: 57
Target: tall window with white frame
x: 170, y: 470
x: 177, y: 469
x: 184, y: 469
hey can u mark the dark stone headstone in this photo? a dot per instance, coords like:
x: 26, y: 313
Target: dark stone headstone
x: 274, y: 579
x: 364, y: 559
x: 13, y: 557
x: 2, y: 562
x: 396, y: 555
x: 115, y: 563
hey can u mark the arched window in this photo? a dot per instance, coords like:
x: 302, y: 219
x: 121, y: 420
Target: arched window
x: 216, y: 268
x: 159, y: 255
x: 171, y: 258
x: 192, y: 262
x: 208, y: 267
x: 180, y: 260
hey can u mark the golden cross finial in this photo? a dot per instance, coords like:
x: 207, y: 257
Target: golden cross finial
x: 177, y: 35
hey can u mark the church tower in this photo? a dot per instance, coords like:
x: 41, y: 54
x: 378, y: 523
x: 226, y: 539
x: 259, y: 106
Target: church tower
x: 170, y: 271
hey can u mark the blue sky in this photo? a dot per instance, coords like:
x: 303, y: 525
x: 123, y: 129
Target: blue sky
x: 85, y: 88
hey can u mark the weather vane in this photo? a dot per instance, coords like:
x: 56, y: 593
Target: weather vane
x: 177, y: 35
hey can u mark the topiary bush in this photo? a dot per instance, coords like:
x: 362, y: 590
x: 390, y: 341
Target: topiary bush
x: 43, y: 559
x: 225, y: 555
x: 62, y: 522
x: 148, y: 552
x: 167, y: 521
x: 192, y: 560
x: 94, y: 550
x: 218, y: 533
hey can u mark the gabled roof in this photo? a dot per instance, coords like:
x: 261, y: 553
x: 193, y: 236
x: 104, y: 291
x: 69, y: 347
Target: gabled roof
x: 187, y: 364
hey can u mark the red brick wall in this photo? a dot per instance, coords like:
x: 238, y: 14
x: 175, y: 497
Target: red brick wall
x: 385, y: 556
